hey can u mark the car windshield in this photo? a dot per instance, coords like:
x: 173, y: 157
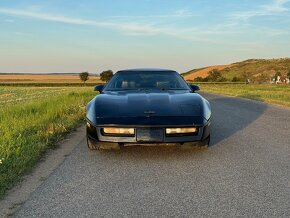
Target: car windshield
x: 162, y: 80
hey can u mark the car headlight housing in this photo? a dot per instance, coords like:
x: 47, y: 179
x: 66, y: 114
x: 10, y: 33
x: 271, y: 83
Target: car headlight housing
x: 118, y: 131
x: 186, y: 130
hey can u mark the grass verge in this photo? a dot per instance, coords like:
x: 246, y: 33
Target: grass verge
x: 275, y: 94
x: 28, y: 128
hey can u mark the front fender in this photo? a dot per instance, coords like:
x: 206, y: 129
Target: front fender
x: 206, y: 109
x: 91, y: 112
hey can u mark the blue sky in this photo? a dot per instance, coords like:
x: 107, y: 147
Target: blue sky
x: 75, y: 36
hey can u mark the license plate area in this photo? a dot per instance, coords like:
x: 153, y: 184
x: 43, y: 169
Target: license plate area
x: 150, y: 135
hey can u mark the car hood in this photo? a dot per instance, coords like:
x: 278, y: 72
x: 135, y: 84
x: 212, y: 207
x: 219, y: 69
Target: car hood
x: 138, y: 104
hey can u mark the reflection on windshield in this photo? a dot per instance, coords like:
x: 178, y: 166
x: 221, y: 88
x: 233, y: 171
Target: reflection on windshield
x: 146, y: 80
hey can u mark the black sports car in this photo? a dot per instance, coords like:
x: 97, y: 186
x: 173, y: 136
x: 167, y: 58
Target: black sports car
x: 147, y: 107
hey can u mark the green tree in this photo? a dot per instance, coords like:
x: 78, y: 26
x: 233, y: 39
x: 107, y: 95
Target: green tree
x: 84, y: 76
x: 235, y: 79
x: 215, y: 76
x: 246, y: 76
x: 222, y: 79
x: 106, y: 75
x: 288, y: 74
x: 264, y: 77
x: 198, y: 79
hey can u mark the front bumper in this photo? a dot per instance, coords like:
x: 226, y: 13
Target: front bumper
x: 147, y: 135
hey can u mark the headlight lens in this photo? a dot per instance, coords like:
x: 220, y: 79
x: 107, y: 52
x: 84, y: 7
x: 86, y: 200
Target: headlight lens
x: 119, y: 131
x: 181, y: 130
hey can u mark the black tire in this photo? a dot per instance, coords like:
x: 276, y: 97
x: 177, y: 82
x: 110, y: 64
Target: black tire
x: 92, y: 145
x: 205, y: 143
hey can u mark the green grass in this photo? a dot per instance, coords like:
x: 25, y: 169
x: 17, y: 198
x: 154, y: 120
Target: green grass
x: 275, y: 94
x: 32, y: 120
x: 257, y: 70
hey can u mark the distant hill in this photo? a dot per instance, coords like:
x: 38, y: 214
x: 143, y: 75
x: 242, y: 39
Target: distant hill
x: 254, y: 69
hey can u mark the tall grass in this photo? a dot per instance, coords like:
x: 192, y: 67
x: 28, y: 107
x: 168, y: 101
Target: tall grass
x: 29, y: 128
x: 276, y: 94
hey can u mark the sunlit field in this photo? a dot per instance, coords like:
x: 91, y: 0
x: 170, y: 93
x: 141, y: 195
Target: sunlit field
x: 275, y: 94
x: 45, y: 78
x: 33, y: 119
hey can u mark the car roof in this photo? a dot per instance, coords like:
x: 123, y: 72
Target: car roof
x: 146, y: 70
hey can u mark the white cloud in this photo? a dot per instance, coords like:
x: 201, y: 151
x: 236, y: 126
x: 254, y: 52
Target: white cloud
x: 49, y: 17
x: 147, y: 29
x: 176, y: 14
x: 129, y: 28
x: 212, y: 35
x: 276, y: 7
x: 183, y: 13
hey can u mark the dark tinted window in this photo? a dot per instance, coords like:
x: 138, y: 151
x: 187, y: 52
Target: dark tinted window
x: 146, y: 80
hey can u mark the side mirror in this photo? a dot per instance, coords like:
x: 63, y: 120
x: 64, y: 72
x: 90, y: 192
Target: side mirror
x: 99, y: 88
x: 194, y: 88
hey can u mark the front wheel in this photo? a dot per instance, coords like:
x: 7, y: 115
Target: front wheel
x: 92, y: 145
x: 205, y: 142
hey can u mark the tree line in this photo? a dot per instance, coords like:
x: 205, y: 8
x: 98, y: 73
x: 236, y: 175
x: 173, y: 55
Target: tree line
x: 104, y: 76
x: 216, y: 76
x: 213, y: 76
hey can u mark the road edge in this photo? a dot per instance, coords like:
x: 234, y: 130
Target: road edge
x: 15, y: 197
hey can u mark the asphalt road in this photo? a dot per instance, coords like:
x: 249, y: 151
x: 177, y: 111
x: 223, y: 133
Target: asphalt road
x: 245, y: 173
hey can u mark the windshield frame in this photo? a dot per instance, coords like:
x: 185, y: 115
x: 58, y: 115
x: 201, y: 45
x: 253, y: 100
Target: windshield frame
x: 176, y: 78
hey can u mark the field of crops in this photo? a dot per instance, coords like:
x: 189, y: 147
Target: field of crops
x: 45, y: 78
x: 275, y: 94
x: 32, y: 119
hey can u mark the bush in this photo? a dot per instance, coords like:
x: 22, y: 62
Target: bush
x: 198, y: 79
x: 214, y: 76
x: 236, y: 79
